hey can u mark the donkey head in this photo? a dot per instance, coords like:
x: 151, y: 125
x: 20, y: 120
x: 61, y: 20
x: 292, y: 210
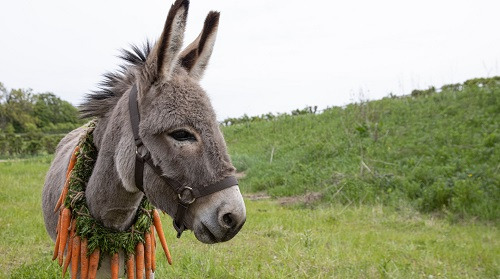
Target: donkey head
x: 179, y: 128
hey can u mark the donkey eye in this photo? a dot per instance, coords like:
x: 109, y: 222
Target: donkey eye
x: 182, y: 135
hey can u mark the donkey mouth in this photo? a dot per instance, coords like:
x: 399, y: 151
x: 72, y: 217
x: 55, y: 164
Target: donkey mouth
x: 205, y: 235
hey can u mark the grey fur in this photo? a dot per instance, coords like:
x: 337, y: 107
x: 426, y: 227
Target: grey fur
x: 169, y: 99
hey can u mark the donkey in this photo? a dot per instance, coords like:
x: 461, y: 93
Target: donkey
x: 177, y: 130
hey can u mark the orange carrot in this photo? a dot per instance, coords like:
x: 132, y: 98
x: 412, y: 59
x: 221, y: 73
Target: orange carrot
x: 84, y: 269
x: 64, y: 192
x: 59, y: 200
x: 130, y: 267
x: 93, y: 264
x: 72, y: 160
x: 65, y: 189
x: 161, y: 236
x: 153, y: 241
x: 59, y: 261
x: 153, y: 249
x: 56, y: 247
x: 147, y: 254
x: 67, y: 261
x: 65, y: 223
x: 75, y: 255
x: 70, y: 247
x: 73, y: 228
x: 139, y: 260
x: 58, y: 229
x: 58, y: 238
x: 114, y: 266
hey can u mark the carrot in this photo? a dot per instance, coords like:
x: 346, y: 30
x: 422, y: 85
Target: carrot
x: 75, y: 255
x: 64, y: 191
x: 130, y: 267
x: 72, y: 160
x: 60, y: 233
x: 147, y: 254
x: 161, y: 236
x: 56, y: 247
x: 114, y: 266
x: 153, y: 249
x: 58, y: 238
x: 73, y: 228
x: 70, y: 248
x: 66, y: 262
x: 59, y: 200
x: 65, y: 223
x: 153, y: 241
x: 93, y: 264
x: 84, y: 269
x: 139, y: 260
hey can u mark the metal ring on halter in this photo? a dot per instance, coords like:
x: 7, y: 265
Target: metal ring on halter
x: 144, y: 158
x: 138, y: 154
x: 180, y: 194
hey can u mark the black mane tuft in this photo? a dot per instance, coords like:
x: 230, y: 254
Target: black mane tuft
x: 114, y: 84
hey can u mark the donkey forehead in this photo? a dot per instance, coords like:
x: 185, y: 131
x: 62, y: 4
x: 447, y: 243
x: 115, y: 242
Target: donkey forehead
x: 176, y: 103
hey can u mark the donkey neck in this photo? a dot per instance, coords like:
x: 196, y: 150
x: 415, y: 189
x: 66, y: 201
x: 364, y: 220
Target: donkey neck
x: 111, y: 197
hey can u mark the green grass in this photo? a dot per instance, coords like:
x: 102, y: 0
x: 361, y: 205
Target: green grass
x: 440, y: 152
x: 324, y: 241
x: 22, y: 233
x: 409, y: 188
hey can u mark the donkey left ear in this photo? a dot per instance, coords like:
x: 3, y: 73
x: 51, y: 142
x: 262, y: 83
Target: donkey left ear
x: 196, y: 55
x: 163, y: 57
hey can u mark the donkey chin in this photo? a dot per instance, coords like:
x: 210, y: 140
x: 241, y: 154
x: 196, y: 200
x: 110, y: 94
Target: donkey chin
x: 219, y: 217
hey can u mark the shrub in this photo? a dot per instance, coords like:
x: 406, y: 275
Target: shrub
x: 436, y: 196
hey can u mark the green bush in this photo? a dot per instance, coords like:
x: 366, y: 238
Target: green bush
x: 18, y: 145
x: 436, y: 196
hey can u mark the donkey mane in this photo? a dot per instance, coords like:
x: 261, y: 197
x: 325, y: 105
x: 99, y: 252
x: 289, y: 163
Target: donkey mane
x: 111, y: 88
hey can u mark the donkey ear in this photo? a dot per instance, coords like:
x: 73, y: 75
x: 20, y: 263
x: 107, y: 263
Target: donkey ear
x: 163, y: 58
x: 196, y: 55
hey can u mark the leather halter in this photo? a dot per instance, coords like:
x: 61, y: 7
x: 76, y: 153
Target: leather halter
x: 186, y: 194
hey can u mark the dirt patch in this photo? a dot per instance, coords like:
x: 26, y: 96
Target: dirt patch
x: 10, y: 160
x: 307, y: 198
x: 257, y: 196
x: 240, y: 175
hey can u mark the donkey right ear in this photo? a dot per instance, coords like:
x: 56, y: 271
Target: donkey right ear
x: 196, y: 55
x: 162, y: 59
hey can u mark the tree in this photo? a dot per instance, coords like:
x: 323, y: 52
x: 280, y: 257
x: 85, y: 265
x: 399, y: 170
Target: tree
x: 18, y: 109
x: 50, y: 109
x: 3, y: 113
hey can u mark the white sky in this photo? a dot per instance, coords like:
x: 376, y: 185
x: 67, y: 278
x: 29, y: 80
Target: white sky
x: 270, y: 56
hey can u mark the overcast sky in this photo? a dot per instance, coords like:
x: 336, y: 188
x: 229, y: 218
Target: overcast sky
x: 270, y: 56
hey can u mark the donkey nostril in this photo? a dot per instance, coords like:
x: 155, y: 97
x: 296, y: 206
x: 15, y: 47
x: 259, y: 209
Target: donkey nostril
x: 227, y: 219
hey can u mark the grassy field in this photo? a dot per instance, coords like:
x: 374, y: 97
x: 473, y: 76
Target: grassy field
x: 403, y: 187
x: 294, y: 241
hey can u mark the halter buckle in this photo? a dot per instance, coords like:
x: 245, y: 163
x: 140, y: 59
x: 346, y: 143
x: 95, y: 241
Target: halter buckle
x: 184, y: 194
x: 180, y: 229
x: 138, y: 155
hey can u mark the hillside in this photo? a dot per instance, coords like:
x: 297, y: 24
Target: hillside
x: 436, y: 150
